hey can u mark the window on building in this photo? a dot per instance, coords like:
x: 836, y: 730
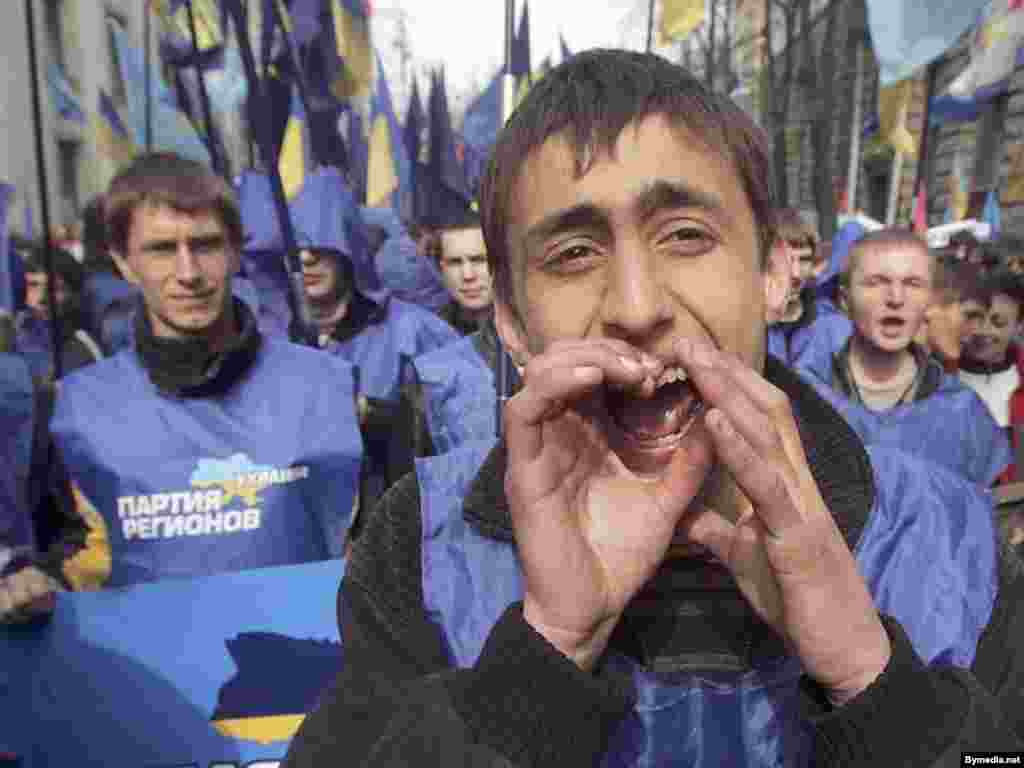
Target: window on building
x: 989, y: 148
x: 69, y: 152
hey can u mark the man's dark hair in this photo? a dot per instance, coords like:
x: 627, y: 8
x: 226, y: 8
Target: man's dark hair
x: 64, y: 264
x: 590, y: 99
x: 465, y: 220
x: 96, y: 255
x: 956, y: 281
x: 1005, y: 283
x: 167, y: 179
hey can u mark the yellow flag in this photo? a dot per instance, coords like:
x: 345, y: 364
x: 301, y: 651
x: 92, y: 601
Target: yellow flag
x: 893, y: 105
x: 679, y: 18
x: 352, y: 35
x: 381, y: 180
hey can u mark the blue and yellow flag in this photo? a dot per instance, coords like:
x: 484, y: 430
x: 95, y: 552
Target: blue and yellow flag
x: 172, y: 130
x: 110, y: 132
x: 354, y: 81
x: 387, y: 167
x: 12, y: 278
x: 65, y: 100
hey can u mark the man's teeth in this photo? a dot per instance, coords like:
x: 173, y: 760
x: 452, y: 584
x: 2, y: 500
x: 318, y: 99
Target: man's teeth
x: 669, y: 375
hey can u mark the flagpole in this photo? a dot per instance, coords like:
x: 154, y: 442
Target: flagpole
x: 896, y: 173
x: 922, y: 154
x: 297, y: 292
x: 37, y: 116
x: 204, y: 96
x: 650, y: 25
x: 856, y: 128
x: 149, y: 76
x: 503, y: 363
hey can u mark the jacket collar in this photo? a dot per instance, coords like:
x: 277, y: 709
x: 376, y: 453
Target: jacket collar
x: 689, y: 617
x: 976, y: 366
x: 929, y: 373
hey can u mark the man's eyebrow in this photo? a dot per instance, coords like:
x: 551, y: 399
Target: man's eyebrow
x: 582, y: 216
x: 662, y: 195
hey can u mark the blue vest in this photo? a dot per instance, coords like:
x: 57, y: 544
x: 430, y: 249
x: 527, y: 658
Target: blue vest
x: 17, y: 423
x: 941, y: 593
x: 951, y: 427
x: 406, y: 332
x: 458, y: 394
x: 263, y: 475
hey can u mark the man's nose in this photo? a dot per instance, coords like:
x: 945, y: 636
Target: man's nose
x: 186, y: 265
x: 635, y: 304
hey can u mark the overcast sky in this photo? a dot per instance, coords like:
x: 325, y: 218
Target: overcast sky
x: 468, y: 35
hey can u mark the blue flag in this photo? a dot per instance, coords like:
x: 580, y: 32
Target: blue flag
x: 172, y: 130
x: 387, y: 164
x: 414, y: 121
x: 521, y: 45
x: 482, y: 123
x: 444, y: 165
x: 909, y: 35
x: 566, y: 53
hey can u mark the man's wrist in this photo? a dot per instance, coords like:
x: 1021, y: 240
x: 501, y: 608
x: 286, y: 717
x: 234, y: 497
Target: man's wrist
x: 582, y: 648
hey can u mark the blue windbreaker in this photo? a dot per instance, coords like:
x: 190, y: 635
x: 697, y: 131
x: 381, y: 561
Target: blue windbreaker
x: 327, y: 218
x: 942, y: 594
x: 263, y: 475
x: 459, y: 398
x: 951, y: 427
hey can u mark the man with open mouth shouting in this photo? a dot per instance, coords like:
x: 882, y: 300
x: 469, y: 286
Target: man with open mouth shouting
x: 653, y: 566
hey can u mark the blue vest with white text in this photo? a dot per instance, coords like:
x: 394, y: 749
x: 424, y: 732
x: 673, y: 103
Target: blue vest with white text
x: 265, y: 474
x: 941, y: 593
x: 458, y: 394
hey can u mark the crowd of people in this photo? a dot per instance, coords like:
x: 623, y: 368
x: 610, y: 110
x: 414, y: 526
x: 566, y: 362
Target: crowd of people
x: 738, y: 508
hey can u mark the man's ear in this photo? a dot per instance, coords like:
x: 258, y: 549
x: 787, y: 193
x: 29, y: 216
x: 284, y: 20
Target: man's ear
x: 776, y: 282
x: 125, y: 267
x: 511, y: 332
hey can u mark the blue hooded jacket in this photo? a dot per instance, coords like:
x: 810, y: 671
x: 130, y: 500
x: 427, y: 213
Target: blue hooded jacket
x: 326, y: 217
x: 108, y: 309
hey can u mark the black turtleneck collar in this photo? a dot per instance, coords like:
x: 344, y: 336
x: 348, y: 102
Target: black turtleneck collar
x: 971, y: 365
x: 453, y: 314
x: 187, y: 368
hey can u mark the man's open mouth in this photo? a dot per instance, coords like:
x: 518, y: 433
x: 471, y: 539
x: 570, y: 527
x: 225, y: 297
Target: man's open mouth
x: 659, y: 420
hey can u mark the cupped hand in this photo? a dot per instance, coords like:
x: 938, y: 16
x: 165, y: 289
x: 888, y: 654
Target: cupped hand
x: 786, y: 553
x: 589, y: 531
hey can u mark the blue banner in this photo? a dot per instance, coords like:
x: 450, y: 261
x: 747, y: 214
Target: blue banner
x: 215, y: 671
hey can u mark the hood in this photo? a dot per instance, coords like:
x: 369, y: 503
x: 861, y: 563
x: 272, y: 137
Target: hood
x: 261, y: 230
x: 848, y: 234
x: 326, y: 216
x: 410, y: 276
x: 382, y: 218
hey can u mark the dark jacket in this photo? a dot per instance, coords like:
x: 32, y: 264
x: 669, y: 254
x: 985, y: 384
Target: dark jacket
x: 398, y: 701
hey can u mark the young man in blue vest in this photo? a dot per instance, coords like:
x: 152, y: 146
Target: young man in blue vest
x: 204, y: 447
x: 653, y: 566
x: 892, y: 390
